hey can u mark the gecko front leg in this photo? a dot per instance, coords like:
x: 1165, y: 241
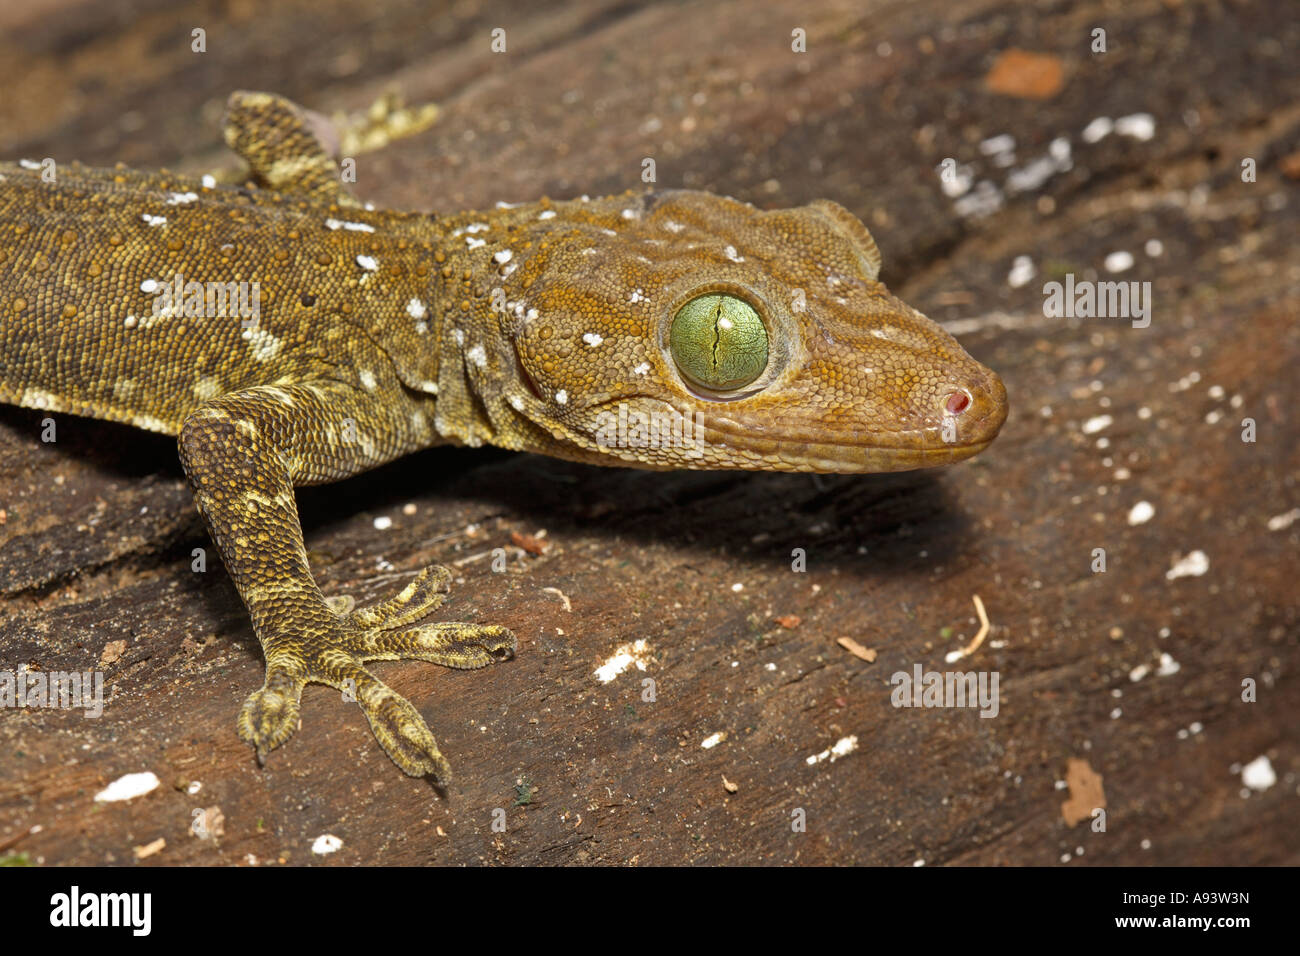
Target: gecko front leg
x: 243, y: 453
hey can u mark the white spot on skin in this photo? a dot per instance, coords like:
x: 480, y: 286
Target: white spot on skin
x: 430, y: 387
x: 1096, y: 424
x: 1193, y: 566
x: 326, y: 844
x: 711, y: 741
x: 641, y: 369
x: 636, y: 655
x: 150, y: 424
x: 459, y: 336
x: 516, y: 403
x: 532, y: 314
x: 673, y: 226
x: 149, y: 286
x: 843, y: 747
x: 1141, y: 513
x: 1259, y: 774
x: 209, y: 182
x: 477, y: 355
x: 350, y: 226
x: 473, y: 243
x: 546, y: 214
x: 733, y: 255
x: 368, y: 263
x: 638, y: 295
x: 562, y: 397
x: 503, y: 256
x: 265, y: 346
x: 368, y: 380
x: 181, y: 199
x: 36, y: 398
x: 630, y: 214
x: 207, y: 388
x: 128, y: 787
x: 415, y: 309
x: 153, y: 220
x: 592, y: 338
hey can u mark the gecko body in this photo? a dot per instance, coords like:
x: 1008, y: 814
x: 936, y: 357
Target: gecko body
x: 288, y: 336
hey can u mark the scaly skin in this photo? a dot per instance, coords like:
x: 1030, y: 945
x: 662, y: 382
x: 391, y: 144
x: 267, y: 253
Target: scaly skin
x: 533, y: 327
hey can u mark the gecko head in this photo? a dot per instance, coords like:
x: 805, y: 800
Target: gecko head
x: 685, y: 330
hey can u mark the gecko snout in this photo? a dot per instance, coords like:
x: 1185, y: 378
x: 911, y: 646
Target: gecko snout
x: 977, y: 408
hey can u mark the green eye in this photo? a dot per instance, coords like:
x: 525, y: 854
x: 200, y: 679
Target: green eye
x: 719, y: 342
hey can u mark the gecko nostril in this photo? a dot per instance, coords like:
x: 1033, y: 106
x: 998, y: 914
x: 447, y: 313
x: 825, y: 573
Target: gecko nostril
x: 957, y: 402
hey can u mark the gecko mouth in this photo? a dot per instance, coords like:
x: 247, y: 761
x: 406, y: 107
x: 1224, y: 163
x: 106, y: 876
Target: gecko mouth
x: 777, y: 454
x: 710, y: 444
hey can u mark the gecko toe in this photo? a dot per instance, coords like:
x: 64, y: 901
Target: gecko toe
x: 462, y: 646
x: 403, y: 734
x: 425, y: 593
x: 269, y: 716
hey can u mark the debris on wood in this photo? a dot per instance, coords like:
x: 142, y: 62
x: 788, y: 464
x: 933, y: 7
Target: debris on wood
x: 1025, y: 75
x: 978, y: 639
x: 561, y: 595
x: 149, y: 849
x: 867, y: 654
x: 532, y: 543
x: 1086, y: 794
x: 112, y: 653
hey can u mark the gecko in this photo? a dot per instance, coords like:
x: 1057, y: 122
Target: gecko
x: 288, y: 335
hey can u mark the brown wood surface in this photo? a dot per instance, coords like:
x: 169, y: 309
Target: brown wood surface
x: 97, y: 529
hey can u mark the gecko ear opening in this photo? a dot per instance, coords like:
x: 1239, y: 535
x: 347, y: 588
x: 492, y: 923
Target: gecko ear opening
x: 851, y: 227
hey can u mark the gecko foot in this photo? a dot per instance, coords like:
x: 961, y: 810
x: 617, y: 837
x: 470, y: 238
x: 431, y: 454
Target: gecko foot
x: 334, y: 653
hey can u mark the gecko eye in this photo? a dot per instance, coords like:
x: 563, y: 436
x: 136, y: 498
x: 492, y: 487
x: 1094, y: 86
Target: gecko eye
x: 719, y: 342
